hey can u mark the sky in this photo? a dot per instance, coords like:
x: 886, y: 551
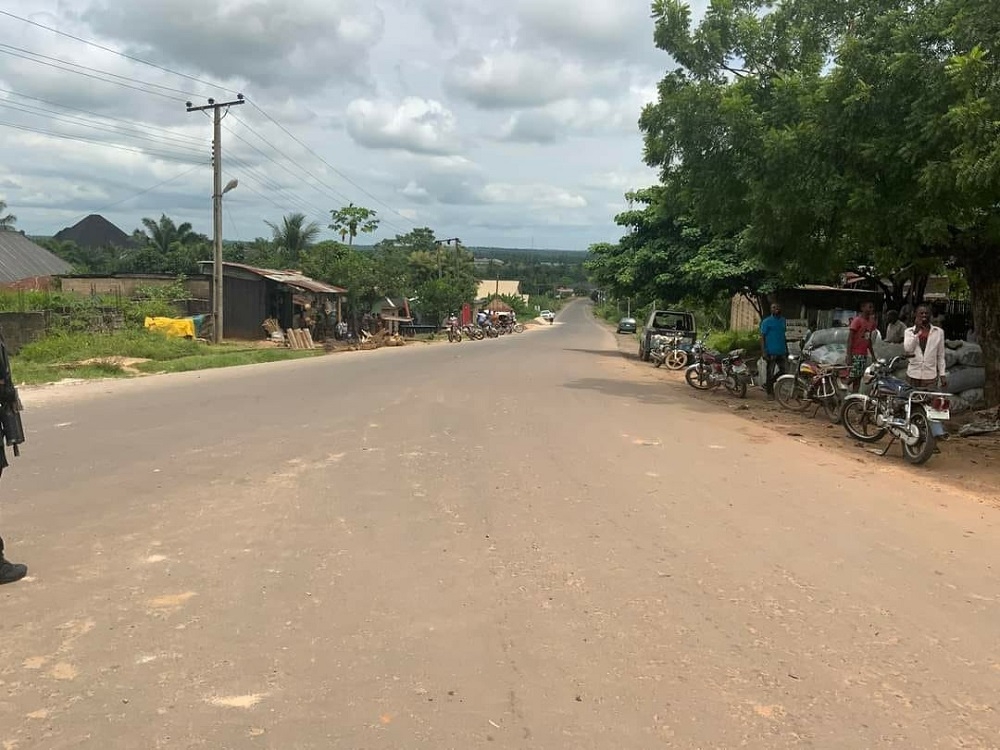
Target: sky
x: 507, y: 123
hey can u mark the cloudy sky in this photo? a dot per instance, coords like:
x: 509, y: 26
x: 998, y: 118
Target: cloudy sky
x: 502, y: 122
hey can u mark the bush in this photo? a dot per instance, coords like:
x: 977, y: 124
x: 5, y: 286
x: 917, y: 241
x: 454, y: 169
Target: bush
x: 726, y: 341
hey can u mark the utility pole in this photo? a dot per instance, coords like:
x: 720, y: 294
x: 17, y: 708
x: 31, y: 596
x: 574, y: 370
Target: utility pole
x: 217, y: 192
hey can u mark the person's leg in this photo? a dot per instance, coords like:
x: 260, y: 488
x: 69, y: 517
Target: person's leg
x: 772, y: 369
x: 10, y: 572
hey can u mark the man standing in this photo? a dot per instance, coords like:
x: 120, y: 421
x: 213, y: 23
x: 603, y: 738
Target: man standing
x: 774, y: 345
x: 894, y: 328
x: 859, y: 343
x: 925, y: 345
x: 11, y: 433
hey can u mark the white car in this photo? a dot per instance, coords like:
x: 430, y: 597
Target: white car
x: 547, y: 315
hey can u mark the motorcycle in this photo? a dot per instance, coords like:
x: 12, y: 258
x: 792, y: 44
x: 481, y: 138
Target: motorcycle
x: 813, y: 383
x: 894, y: 407
x: 711, y: 369
x: 664, y: 350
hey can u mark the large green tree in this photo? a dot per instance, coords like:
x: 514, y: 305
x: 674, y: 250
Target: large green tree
x: 830, y: 135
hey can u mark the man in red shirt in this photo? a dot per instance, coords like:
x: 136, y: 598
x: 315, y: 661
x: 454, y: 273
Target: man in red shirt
x: 859, y: 343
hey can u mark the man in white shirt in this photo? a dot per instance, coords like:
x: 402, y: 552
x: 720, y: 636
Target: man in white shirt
x: 925, y: 343
x: 895, y: 329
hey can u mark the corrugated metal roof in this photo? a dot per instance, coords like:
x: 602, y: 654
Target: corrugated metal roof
x: 20, y: 258
x: 291, y: 278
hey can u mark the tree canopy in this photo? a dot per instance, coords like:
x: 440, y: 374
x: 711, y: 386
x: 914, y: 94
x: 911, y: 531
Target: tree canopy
x: 800, y: 139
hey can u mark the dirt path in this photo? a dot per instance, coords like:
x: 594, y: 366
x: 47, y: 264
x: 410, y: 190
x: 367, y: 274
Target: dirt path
x: 971, y: 464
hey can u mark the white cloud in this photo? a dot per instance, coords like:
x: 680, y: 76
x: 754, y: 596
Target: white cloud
x: 507, y: 79
x: 419, y: 125
x: 535, y: 195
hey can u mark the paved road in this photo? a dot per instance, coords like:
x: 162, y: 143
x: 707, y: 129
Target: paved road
x: 513, y: 543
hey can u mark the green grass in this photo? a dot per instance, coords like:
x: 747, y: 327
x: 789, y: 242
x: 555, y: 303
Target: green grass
x: 74, y: 347
x: 726, y: 341
x: 225, y: 359
x: 58, y: 356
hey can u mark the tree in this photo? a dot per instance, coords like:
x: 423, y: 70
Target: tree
x: 826, y: 136
x: 343, y: 266
x: 351, y: 220
x: 438, y: 298
x: 162, y: 235
x: 293, y: 236
x: 7, y: 221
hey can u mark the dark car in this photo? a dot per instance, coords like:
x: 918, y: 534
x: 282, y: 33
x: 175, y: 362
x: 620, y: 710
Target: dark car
x: 627, y: 325
x: 674, y: 324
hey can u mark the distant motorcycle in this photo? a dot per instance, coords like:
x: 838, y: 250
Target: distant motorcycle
x: 711, y: 369
x: 910, y: 415
x: 664, y: 350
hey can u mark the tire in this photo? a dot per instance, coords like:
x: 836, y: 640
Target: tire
x: 858, y: 422
x: 923, y: 450
x: 479, y: 334
x: 643, y: 353
x: 677, y: 359
x: 831, y: 407
x: 699, y: 378
x: 518, y: 328
x: 736, y: 386
x: 790, y: 392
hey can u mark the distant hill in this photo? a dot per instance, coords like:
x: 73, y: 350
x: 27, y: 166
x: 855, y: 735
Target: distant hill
x: 94, y: 232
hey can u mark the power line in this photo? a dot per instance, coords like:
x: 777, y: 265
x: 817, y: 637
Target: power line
x: 144, y: 126
x: 87, y: 75
x: 41, y: 57
x: 42, y: 112
x: 150, y: 189
x: 115, y: 52
x: 269, y: 184
x: 81, y: 139
x: 330, y: 166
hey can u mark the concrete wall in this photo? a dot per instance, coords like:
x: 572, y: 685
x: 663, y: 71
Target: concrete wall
x: 20, y: 328
x: 198, y: 287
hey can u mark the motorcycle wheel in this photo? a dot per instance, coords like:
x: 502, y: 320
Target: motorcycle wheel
x: 831, y: 407
x: 860, y: 422
x: 699, y: 377
x: 479, y: 334
x: 924, y: 449
x: 677, y: 359
x: 736, y: 386
x: 518, y: 328
x: 791, y: 393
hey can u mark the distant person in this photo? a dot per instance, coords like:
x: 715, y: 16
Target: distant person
x: 774, y: 345
x: 894, y: 328
x: 860, y: 343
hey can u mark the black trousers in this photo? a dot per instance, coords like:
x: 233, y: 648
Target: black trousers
x: 775, y: 368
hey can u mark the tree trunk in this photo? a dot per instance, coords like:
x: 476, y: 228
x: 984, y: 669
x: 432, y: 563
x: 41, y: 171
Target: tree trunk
x: 983, y: 273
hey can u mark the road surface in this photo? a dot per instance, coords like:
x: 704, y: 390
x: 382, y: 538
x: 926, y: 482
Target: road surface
x: 513, y: 543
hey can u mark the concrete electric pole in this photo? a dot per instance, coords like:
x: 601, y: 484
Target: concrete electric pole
x: 217, y: 192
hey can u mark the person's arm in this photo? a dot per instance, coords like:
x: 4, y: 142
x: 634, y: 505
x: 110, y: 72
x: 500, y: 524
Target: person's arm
x: 851, y: 333
x: 910, y: 341
x: 871, y: 341
x: 941, y: 367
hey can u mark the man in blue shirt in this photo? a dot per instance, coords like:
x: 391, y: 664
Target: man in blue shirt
x: 774, y: 345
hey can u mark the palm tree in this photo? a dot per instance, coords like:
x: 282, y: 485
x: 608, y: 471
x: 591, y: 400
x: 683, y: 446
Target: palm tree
x: 164, y: 234
x: 293, y: 236
x: 7, y: 221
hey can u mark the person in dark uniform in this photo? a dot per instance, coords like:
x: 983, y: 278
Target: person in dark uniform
x: 11, y: 433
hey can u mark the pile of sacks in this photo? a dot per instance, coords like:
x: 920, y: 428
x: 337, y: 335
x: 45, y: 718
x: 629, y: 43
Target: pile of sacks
x: 964, y: 363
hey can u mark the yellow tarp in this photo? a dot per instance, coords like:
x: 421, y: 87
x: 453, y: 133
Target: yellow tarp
x: 177, y: 327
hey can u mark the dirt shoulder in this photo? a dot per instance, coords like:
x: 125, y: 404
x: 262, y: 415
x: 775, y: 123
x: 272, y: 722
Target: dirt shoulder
x: 970, y: 464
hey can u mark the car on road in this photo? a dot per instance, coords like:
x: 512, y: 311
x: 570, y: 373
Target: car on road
x: 627, y: 325
x: 674, y: 324
x: 547, y: 315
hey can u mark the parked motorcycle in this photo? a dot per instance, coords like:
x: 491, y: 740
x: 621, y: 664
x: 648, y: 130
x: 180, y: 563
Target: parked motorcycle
x: 893, y: 406
x: 711, y: 369
x: 664, y: 350
x: 826, y: 386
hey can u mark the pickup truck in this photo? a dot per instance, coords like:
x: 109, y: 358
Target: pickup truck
x: 672, y: 323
